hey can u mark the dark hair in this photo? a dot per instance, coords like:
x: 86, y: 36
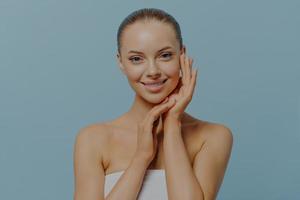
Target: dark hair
x: 149, y: 14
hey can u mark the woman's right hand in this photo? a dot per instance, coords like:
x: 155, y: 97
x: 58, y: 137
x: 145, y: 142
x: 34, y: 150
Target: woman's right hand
x: 147, y: 129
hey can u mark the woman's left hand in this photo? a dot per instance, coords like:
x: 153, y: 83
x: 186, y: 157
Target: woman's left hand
x: 183, y: 93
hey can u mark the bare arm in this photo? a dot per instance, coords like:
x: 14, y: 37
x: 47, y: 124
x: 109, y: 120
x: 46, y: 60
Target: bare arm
x: 181, y: 180
x: 89, y: 171
x: 88, y: 158
x: 204, y: 178
x: 211, y: 161
x: 129, y: 184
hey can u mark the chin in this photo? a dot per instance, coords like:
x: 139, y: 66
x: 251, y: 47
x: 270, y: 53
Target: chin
x: 154, y: 98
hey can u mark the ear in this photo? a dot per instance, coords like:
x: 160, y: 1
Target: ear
x: 120, y: 63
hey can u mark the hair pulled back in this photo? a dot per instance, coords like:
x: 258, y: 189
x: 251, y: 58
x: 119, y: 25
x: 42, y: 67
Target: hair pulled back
x: 149, y: 14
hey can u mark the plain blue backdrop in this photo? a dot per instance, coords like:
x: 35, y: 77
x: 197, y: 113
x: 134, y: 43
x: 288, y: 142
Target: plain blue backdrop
x: 58, y: 73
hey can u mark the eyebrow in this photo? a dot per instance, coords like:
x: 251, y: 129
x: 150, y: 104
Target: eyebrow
x: 133, y: 51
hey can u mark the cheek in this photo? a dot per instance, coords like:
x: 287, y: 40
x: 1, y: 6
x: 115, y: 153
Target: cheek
x: 172, y: 69
x: 134, y: 74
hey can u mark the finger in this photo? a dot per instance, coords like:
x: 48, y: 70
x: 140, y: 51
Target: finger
x: 158, y: 127
x: 154, y: 118
x: 193, y: 83
x: 146, y: 119
x: 178, y: 86
x: 181, y: 91
x: 166, y: 99
x: 176, y: 89
x: 191, y: 66
x: 155, y: 113
x: 188, y: 69
x: 182, y: 66
x: 158, y: 110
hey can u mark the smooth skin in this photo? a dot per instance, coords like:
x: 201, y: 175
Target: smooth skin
x: 155, y: 133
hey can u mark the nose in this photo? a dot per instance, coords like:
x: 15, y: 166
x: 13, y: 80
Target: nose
x: 153, y: 70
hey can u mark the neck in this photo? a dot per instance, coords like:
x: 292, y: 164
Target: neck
x: 139, y: 109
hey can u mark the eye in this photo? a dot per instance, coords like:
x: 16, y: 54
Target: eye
x: 134, y: 59
x: 167, y: 55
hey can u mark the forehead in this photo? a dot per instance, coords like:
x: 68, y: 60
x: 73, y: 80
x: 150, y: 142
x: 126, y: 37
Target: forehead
x: 148, y: 36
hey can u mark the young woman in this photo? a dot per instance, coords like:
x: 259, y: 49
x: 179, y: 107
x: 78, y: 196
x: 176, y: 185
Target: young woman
x: 155, y: 150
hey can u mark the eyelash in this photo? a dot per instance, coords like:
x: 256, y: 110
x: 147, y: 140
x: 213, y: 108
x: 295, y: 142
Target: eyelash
x: 132, y: 58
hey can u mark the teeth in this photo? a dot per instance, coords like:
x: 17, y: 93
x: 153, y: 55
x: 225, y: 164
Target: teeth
x: 155, y: 84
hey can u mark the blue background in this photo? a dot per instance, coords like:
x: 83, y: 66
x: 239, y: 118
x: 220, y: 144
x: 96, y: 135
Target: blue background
x: 58, y: 73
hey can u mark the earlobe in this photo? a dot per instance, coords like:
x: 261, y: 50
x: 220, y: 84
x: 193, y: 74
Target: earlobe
x: 122, y: 68
x: 120, y: 64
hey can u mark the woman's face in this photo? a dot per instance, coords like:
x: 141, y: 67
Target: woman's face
x: 150, y: 53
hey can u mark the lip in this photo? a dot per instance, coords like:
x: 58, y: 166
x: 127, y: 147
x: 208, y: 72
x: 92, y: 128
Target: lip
x: 154, y: 88
x: 145, y: 83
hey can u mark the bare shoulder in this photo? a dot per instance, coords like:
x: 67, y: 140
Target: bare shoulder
x: 211, y: 160
x: 215, y: 134
x: 94, y: 130
x: 89, y: 161
x: 204, y: 131
x: 94, y: 133
x: 95, y: 137
x: 218, y: 133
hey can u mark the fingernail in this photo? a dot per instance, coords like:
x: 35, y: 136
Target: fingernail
x: 166, y: 99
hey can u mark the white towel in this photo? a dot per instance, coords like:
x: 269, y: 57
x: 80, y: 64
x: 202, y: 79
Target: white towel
x: 154, y: 185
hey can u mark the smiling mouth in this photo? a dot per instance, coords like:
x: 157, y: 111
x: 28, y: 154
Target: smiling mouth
x: 154, y: 87
x: 155, y: 84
